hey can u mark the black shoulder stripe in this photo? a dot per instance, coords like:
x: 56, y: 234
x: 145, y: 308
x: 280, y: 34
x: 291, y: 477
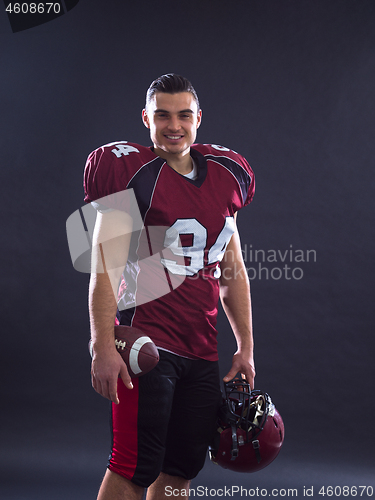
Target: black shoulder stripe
x: 242, y: 176
x: 143, y: 183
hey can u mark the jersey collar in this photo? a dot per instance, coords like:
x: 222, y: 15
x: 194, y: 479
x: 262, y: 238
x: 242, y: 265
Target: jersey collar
x: 201, y: 163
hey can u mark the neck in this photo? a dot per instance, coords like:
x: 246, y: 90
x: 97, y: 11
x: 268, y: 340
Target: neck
x: 181, y: 162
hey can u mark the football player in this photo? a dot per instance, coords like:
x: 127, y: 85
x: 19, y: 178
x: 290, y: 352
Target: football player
x: 162, y: 421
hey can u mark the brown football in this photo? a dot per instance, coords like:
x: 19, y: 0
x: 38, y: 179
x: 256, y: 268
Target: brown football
x: 137, y: 350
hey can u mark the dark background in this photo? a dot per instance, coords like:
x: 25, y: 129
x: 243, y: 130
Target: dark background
x: 287, y: 83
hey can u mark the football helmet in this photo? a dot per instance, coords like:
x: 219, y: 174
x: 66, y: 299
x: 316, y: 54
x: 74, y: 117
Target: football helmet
x: 250, y: 431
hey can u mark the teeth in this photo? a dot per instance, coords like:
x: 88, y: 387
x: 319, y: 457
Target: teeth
x: 174, y: 136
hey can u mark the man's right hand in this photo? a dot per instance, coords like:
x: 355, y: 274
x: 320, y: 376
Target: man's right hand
x: 107, y: 365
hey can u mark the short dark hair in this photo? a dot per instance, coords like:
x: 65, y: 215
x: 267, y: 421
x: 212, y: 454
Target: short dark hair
x: 171, y: 84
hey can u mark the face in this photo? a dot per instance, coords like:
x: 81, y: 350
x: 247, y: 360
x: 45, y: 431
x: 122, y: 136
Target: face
x: 173, y: 120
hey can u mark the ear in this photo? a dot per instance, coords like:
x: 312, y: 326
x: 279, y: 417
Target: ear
x: 199, y: 118
x: 145, y: 119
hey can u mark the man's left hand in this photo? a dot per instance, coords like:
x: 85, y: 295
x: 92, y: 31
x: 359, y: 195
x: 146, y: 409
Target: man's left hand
x: 245, y: 366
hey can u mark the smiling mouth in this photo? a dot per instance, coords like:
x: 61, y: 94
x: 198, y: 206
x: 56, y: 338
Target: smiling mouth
x: 174, y: 137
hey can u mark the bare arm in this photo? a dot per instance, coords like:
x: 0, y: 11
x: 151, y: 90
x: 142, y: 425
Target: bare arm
x: 236, y: 301
x: 111, y: 241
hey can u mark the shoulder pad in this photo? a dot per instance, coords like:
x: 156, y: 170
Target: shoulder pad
x: 123, y: 148
x: 215, y: 150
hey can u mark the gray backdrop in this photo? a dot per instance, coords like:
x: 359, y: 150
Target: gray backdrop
x: 287, y: 83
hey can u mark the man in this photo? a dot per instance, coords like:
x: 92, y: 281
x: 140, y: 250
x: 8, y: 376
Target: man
x: 162, y: 421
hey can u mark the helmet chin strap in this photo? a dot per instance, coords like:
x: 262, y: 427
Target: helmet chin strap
x: 256, y: 447
x: 234, y: 451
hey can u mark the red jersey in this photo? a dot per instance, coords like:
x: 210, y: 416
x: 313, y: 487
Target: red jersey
x: 200, y: 212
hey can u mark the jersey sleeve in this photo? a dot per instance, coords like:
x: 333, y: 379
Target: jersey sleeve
x: 234, y: 163
x: 101, y: 175
x: 108, y: 172
x: 243, y: 173
x: 249, y: 184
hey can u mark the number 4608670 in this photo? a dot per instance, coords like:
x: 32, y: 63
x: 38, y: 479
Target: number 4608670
x: 33, y: 8
x: 345, y: 491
